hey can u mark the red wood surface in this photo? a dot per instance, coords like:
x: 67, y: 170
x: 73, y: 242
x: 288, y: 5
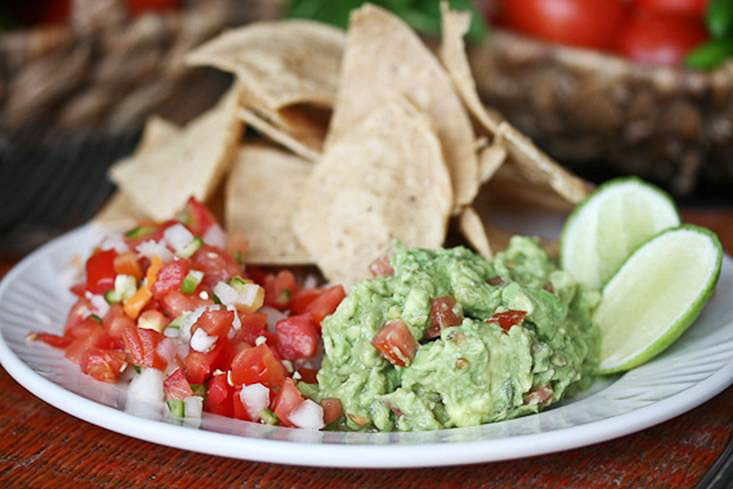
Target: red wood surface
x: 41, y: 446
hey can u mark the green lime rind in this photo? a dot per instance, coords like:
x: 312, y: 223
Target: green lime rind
x: 675, y: 330
x: 597, y: 193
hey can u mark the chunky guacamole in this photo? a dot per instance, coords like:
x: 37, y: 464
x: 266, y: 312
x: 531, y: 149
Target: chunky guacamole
x: 524, y: 340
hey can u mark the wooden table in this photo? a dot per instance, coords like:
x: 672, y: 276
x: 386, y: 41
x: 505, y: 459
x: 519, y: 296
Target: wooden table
x: 41, y: 446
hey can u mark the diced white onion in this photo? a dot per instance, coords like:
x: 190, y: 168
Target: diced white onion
x: 236, y: 322
x: 273, y: 317
x: 226, y: 293
x: 308, y: 415
x: 194, y: 406
x: 204, y: 295
x: 178, y: 237
x: 189, y: 319
x: 100, y: 306
x: 248, y: 294
x: 147, y: 386
x: 215, y: 236
x: 260, y: 340
x: 255, y: 398
x: 167, y: 350
x: 114, y: 242
x: 171, y: 332
x: 288, y: 365
x: 152, y: 248
x: 201, y: 342
x: 310, y: 282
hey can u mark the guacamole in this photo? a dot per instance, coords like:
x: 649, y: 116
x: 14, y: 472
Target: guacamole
x: 477, y: 371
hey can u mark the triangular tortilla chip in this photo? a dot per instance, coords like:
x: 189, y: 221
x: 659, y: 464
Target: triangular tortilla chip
x: 532, y: 163
x: 261, y: 198
x: 160, y: 181
x: 472, y: 228
x: 384, y: 57
x: 157, y: 131
x: 385, y: 179
x: 310, y: 150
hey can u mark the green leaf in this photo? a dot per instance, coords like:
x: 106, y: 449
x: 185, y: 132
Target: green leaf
x: 719, y: 18
x: 710, y: 55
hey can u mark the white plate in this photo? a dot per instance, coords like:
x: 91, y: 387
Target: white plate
x: 693, y: 370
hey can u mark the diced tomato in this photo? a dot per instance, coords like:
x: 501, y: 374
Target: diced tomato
x: 140, y: 7
x: 332, y: 410
x: 326, y: 303
x: 258, y: 364
x: 658, y: 38
x: 693, y: 8
x: 240, y: 410
x: 127, y: 264
x: 116, y: 321
x: 258, y: 274
x: 302, y: 299
x: 442, y: 315
x: 170, y: 278
x: 176, y: 303
x: 142, y: 346
x: 104, y: 365
x: 219, y: 396
x: 395, y: 343
x: 216, y: 323
x: 78, y: 350
x: 286, y: 401
x: 83, y: 328
x: 176, y: 386
x: 538, y: 395
x: 200, y: 365
x: 78, y: 313
x: 53, y: 340
x: 308, y: 375
x: 217, y: 265
x: 238, y: 244
x: 381, y: 267
x: 507, y: 319
x: 78, y: 289
x: 231, y: 349
x: 297, y: 337
x: 253, y: 325
x: 279, y: 289
x: 196, y: 217
x: 101, y: 271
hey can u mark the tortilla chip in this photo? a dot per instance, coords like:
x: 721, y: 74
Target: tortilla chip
x: 384, y: 58
x: 490, y: 160
x: 455, y: 25
x: 310, y: 150
x: 473, y: 230
x: 385, y: 179
x: 261, y: 198
x: 157, y: 131
x: 279, y: 64
x: 160, y: 180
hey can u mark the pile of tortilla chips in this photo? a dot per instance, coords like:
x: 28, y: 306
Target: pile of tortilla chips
x: 366, y: 136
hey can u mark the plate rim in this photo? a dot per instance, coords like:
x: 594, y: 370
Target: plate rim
x: 335, y: 454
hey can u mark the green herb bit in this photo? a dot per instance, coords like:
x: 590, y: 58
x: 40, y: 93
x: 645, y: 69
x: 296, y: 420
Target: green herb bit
x: 710, y: 55
x: 139, y: 232
x: 177, y: 408
x: 268, y: 417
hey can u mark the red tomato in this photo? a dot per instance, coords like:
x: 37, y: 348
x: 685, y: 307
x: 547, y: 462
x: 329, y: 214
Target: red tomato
x: 240, y: 411
x: 308, y: 375
x: 258, y: 364
x: 127, y: 264
x: 116, y: 321
x: 297, y: 337
x: 442, y: 316
x: 101, y: 271
x: 507, y: 319
x: 395, y: 343
x: 258, y: 274
x: 216, y: 265
x: 219, y: 396
x: 78, y: 350
x: 138, y: 7
x: 326, y: 303
x: 200, y: 365
x: 381, y: 267
x: 53, y: 340
x: 216, y: 323
x: 302, y: 299
x: 694, y: 8
x: 104, y: 365
x: 286, y: 401
x: 197, y: 217
x: 142, y: 346
x: 78, y: 313
x: 176, y: 303
x: 538, y: 395
x: 661, y: 39
x: 231, y: 349
x: 170, y: 278
x: 332, y: 410
x: 574, y: 22
x: 253, y: 325
x: 78, y: 289
x: 279, y: 289
x: 176, y: 386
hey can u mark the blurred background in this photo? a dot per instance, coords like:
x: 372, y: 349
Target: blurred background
x: 609, y: 87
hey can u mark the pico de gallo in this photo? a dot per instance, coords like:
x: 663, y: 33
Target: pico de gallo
x: 172, y: 305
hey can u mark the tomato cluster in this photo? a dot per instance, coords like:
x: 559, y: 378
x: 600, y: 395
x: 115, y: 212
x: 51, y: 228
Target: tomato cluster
x: 105, y: 333
x: 650, y: 31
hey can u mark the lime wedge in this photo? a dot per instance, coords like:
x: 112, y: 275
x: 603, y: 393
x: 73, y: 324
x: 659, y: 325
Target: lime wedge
x: 609, y: 225
x: 657, y: 293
